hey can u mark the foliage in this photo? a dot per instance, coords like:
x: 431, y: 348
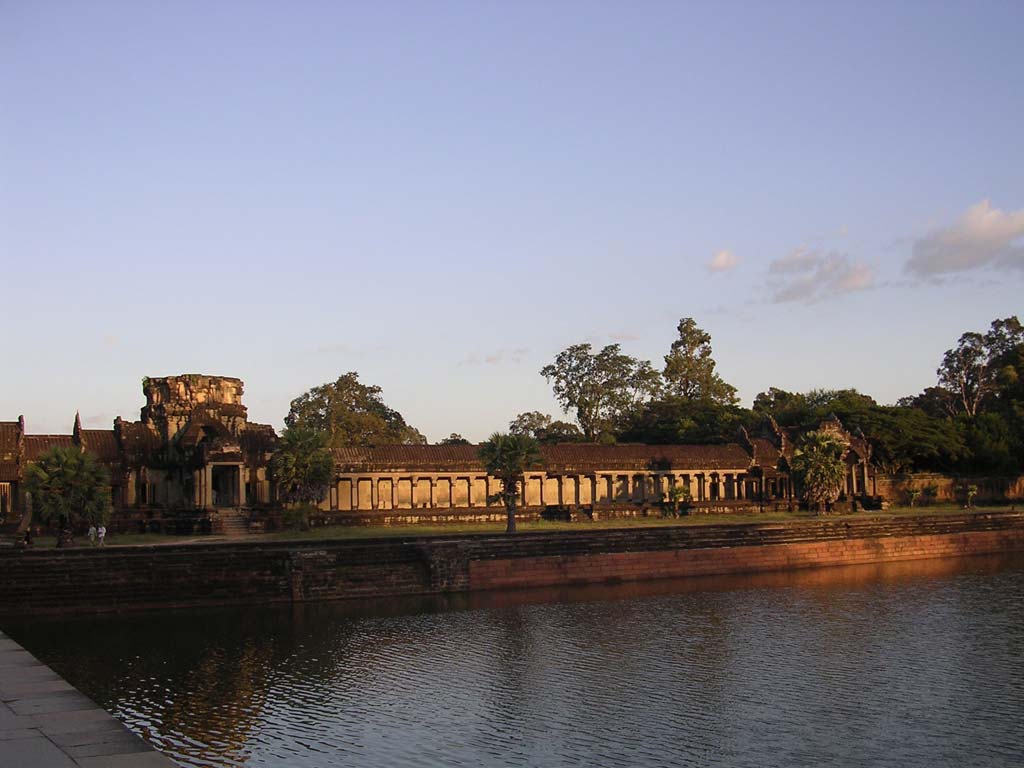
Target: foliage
x: 350, y: 413
x: 903, y: 438
x: 930, y: 493
x: 689, y: 371
x: 972, y: 491
x: 296, y: 518
x: 507, y: 457
x: 913, y: 494
x: 678, y: 494
x: 603, y: 388
x: 818, y: 468
x: 67, y: 486
x: 673, y: 420
x: 455, y: 439
x: 302, y: 466
x: 544, y: 429
x: 970, y: 372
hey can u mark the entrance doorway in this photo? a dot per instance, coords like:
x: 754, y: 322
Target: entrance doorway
x: 225, y: 486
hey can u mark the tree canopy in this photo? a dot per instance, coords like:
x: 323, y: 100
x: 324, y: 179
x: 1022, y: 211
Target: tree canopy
x: 689, y: 371
x: 350, y: 413
x: 302, y: 465
x: 507, y: 457
x: 68, y: 486
x: 602, y: 388
x: 544, y: 429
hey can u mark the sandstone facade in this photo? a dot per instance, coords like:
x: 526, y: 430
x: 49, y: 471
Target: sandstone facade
x: 194, y: 450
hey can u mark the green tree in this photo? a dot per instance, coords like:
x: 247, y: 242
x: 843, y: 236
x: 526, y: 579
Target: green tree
x: 818, y: 468
x: 672, y: 420
x: 970, y: 372
x: 67, y: 486
x: 603, y: 388
x: 302, y: 466
x: 544, y: 429
x: 455, y: 439
x: 350, y: 413
x: 506, y: 458
x: 690, y: 369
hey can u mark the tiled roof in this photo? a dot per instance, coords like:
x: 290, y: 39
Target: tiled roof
x: 565, y: 457
x: 37, y: 445
x: 8, y: 437
x: 766, y: 453
x: 137, y: 440
x: 101, y: 442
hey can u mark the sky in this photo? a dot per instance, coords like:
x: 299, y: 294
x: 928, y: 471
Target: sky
x: 442, y: 196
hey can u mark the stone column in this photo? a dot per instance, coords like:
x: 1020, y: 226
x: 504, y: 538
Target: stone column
x: 241, y: 485
x: 741, y: 491
x: 865, y: 469
x: 207, y: 486
x: 353, y: 492
x: 433, y: 492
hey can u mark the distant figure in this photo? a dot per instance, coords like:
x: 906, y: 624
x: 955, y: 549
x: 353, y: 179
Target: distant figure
x: 102, y: 533
x: 92, y: 535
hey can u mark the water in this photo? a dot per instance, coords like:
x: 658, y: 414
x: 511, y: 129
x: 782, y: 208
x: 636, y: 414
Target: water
x: 916, y: 664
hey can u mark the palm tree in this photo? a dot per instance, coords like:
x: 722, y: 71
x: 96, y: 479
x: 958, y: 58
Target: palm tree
x: 507, y: 457
x: 818, y: 468
x: 68, y: 485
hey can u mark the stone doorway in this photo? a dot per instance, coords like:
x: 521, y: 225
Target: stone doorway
x: 224, y: 480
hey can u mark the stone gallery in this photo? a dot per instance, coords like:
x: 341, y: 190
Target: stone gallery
x: 194, y: 450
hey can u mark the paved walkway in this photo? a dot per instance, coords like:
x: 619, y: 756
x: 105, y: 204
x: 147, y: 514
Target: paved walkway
x: 46, y: 723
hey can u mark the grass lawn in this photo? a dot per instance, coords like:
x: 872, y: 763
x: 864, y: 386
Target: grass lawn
x: 82, y: 542
x: 462, y: 529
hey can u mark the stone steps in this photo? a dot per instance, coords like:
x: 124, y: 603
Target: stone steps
x: 233, y: 523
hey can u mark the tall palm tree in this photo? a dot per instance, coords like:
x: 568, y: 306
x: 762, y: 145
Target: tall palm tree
x: 818, y: 468
x: 507, y: 457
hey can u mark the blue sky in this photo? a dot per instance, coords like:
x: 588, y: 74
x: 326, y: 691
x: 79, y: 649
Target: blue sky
x: 443, y: 196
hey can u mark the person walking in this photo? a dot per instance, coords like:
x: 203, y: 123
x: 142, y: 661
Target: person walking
x: 92, y: 535
x: 101, y: 533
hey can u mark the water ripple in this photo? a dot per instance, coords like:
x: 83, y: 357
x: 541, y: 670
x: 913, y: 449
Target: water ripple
x: 917, y: 665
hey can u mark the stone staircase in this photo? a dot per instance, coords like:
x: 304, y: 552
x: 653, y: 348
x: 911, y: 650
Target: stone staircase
x: 234, y: 522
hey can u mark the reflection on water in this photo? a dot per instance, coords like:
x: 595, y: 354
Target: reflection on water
x: 912, y: 664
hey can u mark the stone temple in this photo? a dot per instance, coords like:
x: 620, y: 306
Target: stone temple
x: 193, y: 454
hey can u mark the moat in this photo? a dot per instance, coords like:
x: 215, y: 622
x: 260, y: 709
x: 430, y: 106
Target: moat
x: 906, y: 664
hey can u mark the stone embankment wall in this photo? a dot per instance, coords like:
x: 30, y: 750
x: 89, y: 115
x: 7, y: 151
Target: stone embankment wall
x: 131, y: 578
x: 949, y: 488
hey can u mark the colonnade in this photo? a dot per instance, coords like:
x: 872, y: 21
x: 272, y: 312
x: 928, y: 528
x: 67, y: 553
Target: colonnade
x: 406, y: 490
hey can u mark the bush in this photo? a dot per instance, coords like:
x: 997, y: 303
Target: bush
x: 297, y: 518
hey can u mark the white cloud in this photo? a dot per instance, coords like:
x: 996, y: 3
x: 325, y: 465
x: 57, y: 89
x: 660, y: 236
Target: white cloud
x: 809, y: 274
x: 983, y: 236
x: 723, y: 261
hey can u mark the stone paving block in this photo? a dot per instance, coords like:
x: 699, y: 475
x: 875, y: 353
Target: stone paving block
x: 62, y: 722
x: 26, y: 688
x: 62, y: 701
x: 37, y: 752
x: 18, y: 659
x: 92, y: 734
x: 121, y: 744
x: 18, y: 733
x: 31, y: 672
x: 144, y: 760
